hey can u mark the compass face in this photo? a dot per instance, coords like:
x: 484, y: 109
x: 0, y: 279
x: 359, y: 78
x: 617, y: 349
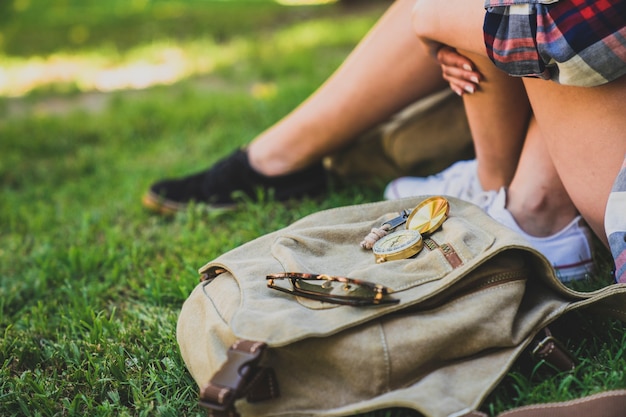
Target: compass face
x: 401, y: 244
x: 429, y: 215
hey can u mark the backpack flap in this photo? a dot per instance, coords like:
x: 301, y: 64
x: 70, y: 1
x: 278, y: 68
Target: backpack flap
x: 328, y: 243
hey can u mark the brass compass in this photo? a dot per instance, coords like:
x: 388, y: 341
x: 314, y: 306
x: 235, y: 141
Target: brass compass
x: 401, y: 244
x: 424, y: 219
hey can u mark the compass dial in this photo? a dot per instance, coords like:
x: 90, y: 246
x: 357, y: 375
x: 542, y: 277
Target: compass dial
x: 401, y: 244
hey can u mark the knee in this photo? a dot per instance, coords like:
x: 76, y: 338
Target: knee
x: 422, y: 20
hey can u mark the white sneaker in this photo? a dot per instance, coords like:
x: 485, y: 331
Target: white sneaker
x: 569, y: 250
x: 460, y: 180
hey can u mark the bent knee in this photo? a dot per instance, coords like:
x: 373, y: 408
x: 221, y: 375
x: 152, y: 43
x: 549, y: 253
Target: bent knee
x: 425, y: 19
x: 458, y: 23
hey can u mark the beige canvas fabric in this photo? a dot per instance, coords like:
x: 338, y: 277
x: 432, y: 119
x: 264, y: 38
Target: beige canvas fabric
x: 423, y: 139
x: 440, y: 350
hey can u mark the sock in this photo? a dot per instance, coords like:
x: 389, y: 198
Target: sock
x: 615, y: 224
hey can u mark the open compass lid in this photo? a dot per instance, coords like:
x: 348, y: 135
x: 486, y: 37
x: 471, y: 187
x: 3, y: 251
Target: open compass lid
x: 429, y: 215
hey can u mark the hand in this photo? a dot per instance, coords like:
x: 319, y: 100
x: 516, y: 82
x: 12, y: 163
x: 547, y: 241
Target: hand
x: 458, y: 71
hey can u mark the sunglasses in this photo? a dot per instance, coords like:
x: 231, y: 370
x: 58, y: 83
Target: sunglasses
x: 331, y: 289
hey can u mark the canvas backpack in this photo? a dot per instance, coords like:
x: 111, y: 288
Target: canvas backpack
x: 459, y: 313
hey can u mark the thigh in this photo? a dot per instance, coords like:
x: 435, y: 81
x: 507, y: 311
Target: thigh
x: 458, y: 23
x: 585, y: 130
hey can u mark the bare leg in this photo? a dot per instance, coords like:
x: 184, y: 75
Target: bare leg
x: 499, y: 132
x: 498, y: 114
x: 536, y: 197
x: 537, y: 205
x: 585, y: 133
x: 387, y: 71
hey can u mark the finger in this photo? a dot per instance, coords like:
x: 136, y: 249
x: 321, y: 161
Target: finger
x: 449, y: 57
x: 468, y: 76
x: 463, y: 88
x: 456, y: 88
x: 459, y: 84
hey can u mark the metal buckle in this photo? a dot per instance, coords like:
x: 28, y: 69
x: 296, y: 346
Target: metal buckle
x: 230, y: 382
x: 551, y: 350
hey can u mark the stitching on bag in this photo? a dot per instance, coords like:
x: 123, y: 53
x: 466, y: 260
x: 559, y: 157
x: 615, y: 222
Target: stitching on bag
x: 210, y: 298
x: 383, y: 342
x: 498, y: 279
x: 484, y: 290
x: 451, y: 255
x: 273, y: 387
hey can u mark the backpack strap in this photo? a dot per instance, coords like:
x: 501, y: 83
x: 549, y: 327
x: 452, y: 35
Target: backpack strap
x: 604, y: 404
x: 241, y: 375
x: 547, y: 348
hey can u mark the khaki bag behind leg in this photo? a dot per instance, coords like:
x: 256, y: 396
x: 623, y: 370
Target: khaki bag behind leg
x: 423, y: 139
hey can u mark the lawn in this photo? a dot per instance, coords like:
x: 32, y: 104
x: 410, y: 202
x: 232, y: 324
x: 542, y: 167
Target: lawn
x: 90, y: 283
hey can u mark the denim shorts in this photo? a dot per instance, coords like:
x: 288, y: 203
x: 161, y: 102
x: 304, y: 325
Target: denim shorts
x: 572, y: 42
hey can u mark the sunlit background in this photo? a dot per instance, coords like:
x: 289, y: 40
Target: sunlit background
x: 98, y: 100
x: 49, y: 46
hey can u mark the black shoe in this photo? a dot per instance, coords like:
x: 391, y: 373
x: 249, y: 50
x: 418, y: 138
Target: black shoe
x: 216, y: 185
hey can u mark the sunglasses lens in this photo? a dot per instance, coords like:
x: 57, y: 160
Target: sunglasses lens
x: 334, y: 288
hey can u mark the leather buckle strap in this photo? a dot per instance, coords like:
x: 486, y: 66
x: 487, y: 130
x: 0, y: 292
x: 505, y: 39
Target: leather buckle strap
x: 241, y: 375
x: 552, y: 351
x: 603, y: 404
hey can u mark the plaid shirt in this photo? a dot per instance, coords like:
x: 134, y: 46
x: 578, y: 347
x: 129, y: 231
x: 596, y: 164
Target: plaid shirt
x: 615, y: 224
x: 573, y: 42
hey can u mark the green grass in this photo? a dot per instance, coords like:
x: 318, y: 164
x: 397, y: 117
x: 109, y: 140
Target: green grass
x: 90, y: 283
